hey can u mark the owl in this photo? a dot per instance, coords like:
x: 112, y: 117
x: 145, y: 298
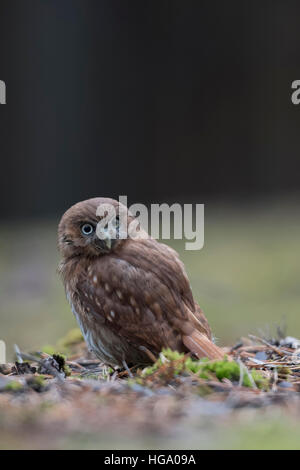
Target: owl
x: 131, y: 296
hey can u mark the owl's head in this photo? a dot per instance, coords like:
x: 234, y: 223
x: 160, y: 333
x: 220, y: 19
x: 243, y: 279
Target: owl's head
x: 92, y: 227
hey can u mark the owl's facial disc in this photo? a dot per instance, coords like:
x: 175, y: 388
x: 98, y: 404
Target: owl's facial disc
x: 84, y: 231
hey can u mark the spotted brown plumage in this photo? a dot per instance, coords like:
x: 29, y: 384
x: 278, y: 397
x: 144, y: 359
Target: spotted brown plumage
x: 131, y: 297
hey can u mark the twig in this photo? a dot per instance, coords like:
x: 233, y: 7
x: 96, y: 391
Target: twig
x: 87, y: 363
x: 274, y: 386
x: 127, y: 369
x: 274, y: 348
x: 18, y: 354
x: 241, y: 372
x: 245, y: 370
x: 47, y: 365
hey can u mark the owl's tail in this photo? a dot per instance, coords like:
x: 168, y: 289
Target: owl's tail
x: 201, y: 346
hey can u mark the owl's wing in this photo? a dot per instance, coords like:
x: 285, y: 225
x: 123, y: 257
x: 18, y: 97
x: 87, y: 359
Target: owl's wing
x: 165, y: 265
x: 142, y: 293
x: 199, y: 314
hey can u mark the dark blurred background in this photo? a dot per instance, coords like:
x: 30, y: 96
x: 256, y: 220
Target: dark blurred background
x: 161, y: 101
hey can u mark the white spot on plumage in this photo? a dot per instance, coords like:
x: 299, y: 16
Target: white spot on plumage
x: 119, y: 294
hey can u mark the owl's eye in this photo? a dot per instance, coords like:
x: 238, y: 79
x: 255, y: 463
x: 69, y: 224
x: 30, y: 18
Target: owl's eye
x: 87, y: 229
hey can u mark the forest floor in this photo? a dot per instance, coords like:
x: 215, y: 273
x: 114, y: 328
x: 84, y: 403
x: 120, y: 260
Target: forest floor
x: 69, y: 401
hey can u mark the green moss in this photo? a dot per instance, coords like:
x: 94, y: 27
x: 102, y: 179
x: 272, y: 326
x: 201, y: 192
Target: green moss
x: 260, y: 381
x: 178, y: 361
x: 284, y: 371
x: 230, y: 370
x: 205, y: 369
x: 133, y: 381
x: 149, y: 370
x: 13, y: 386
x: 224, y: 370
x: 171, y: 355
x: 37, y: 383
x: 107, y: 372
x: 61, y: 361
x: 167, y: 356
x: 67, y: 370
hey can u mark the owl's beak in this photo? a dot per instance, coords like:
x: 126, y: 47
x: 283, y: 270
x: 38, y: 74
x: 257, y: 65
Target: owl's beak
x: 107, y: 242
x: 104, y: 243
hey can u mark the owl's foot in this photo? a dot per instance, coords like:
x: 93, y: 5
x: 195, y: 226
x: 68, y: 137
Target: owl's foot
x: 127, y: 369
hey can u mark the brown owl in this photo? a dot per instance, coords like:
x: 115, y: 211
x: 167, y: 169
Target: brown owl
x: 131, y: 297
